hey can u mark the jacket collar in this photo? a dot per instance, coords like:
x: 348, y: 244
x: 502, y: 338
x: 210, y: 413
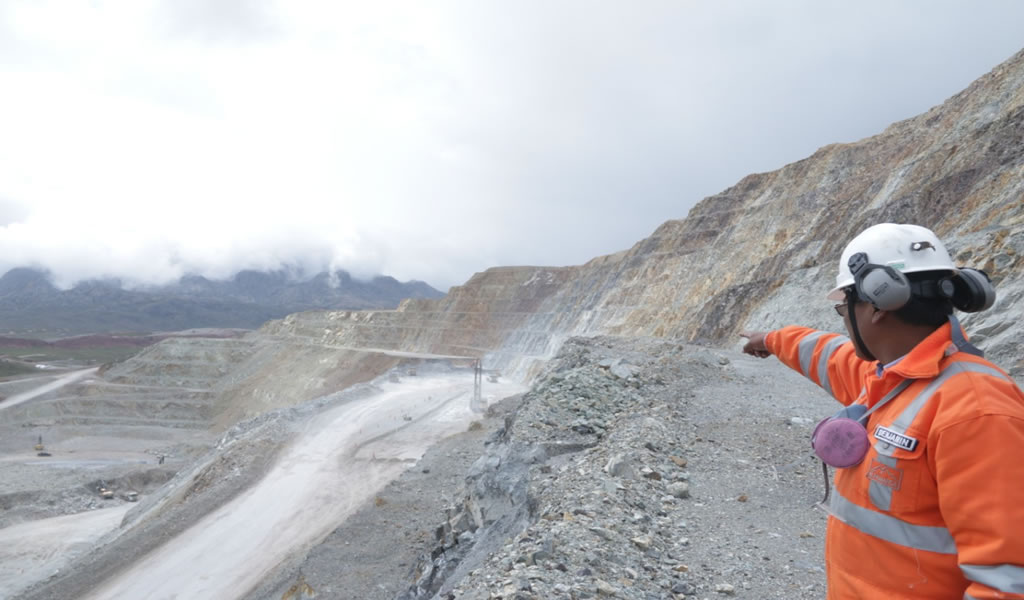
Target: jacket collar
x: 925, y: 359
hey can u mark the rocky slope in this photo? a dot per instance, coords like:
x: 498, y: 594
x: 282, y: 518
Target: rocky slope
x: 760, y: 254
x: 643, y: 469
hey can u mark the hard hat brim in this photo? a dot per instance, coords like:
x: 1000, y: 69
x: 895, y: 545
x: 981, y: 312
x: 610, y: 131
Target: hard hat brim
x: 837, y: 294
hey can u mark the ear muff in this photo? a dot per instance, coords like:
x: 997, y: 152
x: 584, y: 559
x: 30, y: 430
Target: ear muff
x: 933, y: 288
x: 881, y: 285
x: 973, y: 291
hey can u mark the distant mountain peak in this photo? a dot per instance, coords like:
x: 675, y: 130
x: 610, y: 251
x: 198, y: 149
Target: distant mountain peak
x: 23, y: 279
x: 29, y: 301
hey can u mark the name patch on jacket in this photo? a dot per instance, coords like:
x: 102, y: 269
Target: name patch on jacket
x: 895, y: 438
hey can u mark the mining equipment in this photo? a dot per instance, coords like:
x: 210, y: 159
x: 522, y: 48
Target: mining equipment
x: 104, y: 492
x: 40, y: 449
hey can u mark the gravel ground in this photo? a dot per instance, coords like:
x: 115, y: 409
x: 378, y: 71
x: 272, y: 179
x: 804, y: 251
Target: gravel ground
x: 694, y: 480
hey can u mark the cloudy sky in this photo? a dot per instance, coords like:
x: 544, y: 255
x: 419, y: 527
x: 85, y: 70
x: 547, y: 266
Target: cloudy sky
x: 429, y: 140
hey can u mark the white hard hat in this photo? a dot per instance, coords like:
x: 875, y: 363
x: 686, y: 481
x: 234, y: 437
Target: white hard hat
x: 906, y: 248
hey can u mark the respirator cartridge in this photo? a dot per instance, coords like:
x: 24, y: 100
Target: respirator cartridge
x: 841, y: 440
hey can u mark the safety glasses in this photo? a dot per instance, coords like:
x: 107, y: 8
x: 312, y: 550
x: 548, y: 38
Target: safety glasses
x: 843, y: 308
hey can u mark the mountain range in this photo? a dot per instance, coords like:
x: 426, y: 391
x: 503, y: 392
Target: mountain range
x: 30, y: 304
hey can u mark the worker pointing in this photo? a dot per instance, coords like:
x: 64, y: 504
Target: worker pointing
x: 929, y: 484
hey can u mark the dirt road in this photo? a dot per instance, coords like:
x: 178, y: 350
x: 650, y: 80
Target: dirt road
x: 49, y: 387
x: 344, y: 456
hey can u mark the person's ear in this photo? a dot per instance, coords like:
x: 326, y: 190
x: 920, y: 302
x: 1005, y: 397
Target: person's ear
x: 878, y: 315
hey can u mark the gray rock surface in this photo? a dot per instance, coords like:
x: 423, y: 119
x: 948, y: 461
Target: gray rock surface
x: 691, y: 479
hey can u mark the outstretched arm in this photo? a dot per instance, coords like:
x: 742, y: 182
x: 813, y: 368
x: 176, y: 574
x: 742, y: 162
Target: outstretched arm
x: 827, y: 359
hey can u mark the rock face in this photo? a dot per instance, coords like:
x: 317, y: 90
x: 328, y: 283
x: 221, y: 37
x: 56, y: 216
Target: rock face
x: 760, y: 254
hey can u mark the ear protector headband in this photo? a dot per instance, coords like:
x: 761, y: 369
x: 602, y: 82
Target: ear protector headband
x: 970, y: 290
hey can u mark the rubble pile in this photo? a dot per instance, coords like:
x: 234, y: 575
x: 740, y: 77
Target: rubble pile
x: 639, y: 468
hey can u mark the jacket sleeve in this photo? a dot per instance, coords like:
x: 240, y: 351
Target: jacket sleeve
x: 827, y: 359
x: 982, y: 501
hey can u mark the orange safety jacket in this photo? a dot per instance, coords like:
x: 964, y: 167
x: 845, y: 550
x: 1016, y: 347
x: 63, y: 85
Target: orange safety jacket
x: 936, y: 508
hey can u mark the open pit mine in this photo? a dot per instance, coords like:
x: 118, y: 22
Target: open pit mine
x: 281, y: 464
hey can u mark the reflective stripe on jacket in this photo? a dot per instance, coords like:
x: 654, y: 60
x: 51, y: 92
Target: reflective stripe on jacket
x: 936, y: 508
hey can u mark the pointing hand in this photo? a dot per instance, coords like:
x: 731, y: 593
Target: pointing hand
x: 755, y: 345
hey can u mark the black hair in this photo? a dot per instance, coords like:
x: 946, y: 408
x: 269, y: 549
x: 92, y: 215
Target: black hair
x: 928, y: 312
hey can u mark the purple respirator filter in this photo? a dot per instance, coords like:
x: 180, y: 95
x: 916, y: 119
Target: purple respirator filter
x: 841, y: 441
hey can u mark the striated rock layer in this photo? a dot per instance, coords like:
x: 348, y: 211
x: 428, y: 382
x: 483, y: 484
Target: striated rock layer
x: 760, y: 254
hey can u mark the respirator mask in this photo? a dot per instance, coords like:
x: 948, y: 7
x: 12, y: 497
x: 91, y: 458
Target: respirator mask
x: 841, y: 440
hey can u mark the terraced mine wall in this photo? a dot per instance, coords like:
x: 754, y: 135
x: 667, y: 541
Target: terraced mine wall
x: 760, y: 254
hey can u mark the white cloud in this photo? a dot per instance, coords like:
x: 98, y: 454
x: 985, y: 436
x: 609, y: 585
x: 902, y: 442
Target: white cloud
x: 223, y: 21
x: 12, y: 212
x: 146, y: 139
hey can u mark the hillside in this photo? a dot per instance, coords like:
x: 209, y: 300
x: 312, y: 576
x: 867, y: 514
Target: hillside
x: 761, y: 254
x: 31, y: 305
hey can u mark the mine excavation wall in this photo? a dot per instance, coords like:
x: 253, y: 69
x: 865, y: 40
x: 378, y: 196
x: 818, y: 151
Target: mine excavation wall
x: 124, y: 409
x: 761, y: 254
